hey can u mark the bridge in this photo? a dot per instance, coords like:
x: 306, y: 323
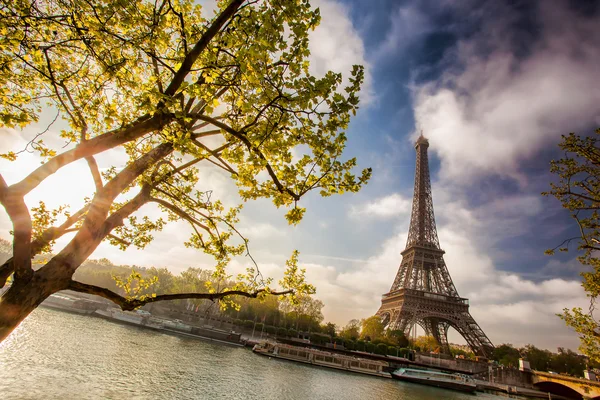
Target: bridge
x: 567, y: 386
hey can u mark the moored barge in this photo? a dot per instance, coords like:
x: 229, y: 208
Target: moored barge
x: 322, y: 358
x: 459, y: 382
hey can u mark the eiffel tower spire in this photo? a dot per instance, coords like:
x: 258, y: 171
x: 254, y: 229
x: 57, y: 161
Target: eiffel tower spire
x: 422, y: 231
x: 423, y: 292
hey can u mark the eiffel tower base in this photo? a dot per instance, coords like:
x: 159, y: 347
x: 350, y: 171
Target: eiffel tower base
x: 435, y: 313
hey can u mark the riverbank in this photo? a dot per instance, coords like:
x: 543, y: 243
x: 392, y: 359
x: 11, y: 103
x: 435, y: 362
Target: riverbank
x: 55, y: 355
x: 392, y: 362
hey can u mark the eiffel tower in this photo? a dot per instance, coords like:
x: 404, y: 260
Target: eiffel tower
x: 423, y: 292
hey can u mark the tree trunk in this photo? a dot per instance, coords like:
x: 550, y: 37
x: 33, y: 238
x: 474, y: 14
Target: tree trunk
x: 24, y: 297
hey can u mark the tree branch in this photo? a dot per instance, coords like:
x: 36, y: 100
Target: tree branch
x: 18, y: 212
x: 95, y: 172
x: 216, y: 154
x: 201, y: 45
x: 117, y: 218
x: 97, y: 225
x: 242, y: 137
x: 38, y: 244
x: 98, y: 144
x: 180, y: 213
x: 118, y: 239
x: 131, y: 304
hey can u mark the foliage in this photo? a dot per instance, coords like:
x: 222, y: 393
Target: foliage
x: 351, y: 331
x: 282, y: 332
x: 578, y: 189
x: 382, y: 349
x: 177, y: 92
x: 306, y: 315
x: 461, y: 353
x: 371, y: 328
x: 396, y: 337
x: 564, y: 361
x: 135, y: 285
x: 507, y: 355
x: 567, y: 361
x: 539, y: 359
x: 361, y: 345
x: 330, y: 329
x: 426, y: 343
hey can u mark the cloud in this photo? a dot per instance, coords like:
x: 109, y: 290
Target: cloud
x: 335, y: 45
x: 407, y: 23
x: 393, y: 205
x: 259, y: 230
x: 494, y: 107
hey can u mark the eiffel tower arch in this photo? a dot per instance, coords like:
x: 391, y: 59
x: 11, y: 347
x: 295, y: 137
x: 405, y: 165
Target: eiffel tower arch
x: 423, y: 292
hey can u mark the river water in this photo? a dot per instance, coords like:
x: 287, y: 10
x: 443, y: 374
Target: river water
x: 56, y: 355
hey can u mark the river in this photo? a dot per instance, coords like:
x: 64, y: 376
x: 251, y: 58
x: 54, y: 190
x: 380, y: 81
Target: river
x: 56, y: 355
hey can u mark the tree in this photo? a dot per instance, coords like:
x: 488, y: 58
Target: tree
x: 507, y: 355
x: 371, y: 328
x: 539, y: 359
x: 170, y: 89
x: 568, y: 362
x: 351, y: 331
x: 330, y: 328
x: 456, y: 351
x: 426, y: 343
x: 578, y: 189
x: 396, y: 337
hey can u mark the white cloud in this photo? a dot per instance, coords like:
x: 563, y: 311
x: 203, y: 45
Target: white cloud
x: 259, y: 230
x: 335, y: 45
x: 393, y: 205
x: 493, y: 109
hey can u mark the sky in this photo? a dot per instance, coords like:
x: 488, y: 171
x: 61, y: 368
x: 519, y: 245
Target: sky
x: 492, y: 85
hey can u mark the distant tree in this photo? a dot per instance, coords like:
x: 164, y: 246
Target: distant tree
x: 507, y: 355
x: 460, y: 352
x: 539, y: 359
x: 578, y: 189
x: 426, y: 343
x: 305, y: 313
x: 396, y: 337
x: 282, y: 332
x: 382, y: 349
x: 361, y: 345
x: 371, y: 328
x: 351, y: 331
x: 330, y: 329
x: 568, y: 362
x: 170, y: 89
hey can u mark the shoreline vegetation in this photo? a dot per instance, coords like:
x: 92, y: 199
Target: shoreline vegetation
x: 273, y: 318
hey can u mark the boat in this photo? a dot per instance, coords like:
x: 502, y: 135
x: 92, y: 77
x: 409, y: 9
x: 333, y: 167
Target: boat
x: 144, y: 319
x: 202, y: 332
x: 322, y: 358
x: 63, y: 302
x: 444, y: 380
x: 139, y: 317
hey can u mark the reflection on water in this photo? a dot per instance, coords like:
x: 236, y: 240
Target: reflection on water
x: 55, y: 355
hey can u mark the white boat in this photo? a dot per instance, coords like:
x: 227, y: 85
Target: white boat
x: 433, y: 378
x: 322, y: 358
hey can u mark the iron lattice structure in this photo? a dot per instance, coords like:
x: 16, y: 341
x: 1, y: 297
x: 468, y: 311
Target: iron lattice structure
x: 423, y: 292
